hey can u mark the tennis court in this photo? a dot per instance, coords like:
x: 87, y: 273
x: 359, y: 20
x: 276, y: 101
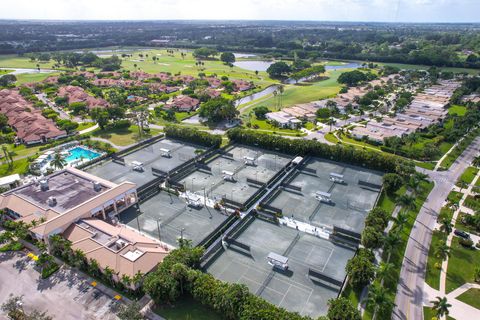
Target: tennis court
x: 172, y: 215
x: 293, y: 289
x: 247, y: 178
x: 151, y: 156
x: 350, y: 201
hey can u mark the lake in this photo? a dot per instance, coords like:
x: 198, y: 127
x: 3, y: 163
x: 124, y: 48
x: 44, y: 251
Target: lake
x: 253, y: 65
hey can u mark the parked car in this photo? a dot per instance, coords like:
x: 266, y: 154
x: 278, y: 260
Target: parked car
x: 462, y: 234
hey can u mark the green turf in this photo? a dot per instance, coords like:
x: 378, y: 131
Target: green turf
x: 187, y: 308
x: 123, y: 137
x: 423, y: 67
x: 467, y: 176
x: 429, y: 314
x: 33, y: 77
x: 432, y: 277
x: 455, y: 197
x: 471, y: 297
x: 19, y: 166
x: 458, y: 110
x: 465, y: 227
x: 461, y: 265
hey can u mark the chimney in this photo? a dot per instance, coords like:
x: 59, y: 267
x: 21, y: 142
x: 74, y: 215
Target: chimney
x: 52, y: 201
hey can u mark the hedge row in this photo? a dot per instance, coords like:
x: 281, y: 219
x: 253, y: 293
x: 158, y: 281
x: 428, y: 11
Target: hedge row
x: 193, y: 135
x: 348, y: 154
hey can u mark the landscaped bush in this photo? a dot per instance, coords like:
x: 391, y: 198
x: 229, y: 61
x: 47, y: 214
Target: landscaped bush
x: 369, y: 159
x: 193, y: 135
x: 51, y: 269
x: 465, y: 242
x: 12, y: 246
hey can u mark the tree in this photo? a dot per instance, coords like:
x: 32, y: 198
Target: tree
x: 67, y: 125
x: 204, y: 53
x: 476, y: 274
x: 130, y: 311
x: 392, y: 182
x: 383, y: 270
x: 7, y: 80
x: 352, y: 78
x: 442, y: 251
x: 100, y: 116
x: 361, y: 269
x: 323, y: 113
x: 58, y: 162
x: 260, y: 112
x: 331, y: 121
x: 441, y: 306
x: 179, y: 272
x: 446, y: 226
x: 278, y: 69
x: 227, y: 57
x: 390, y: 241
x: 379, y: 299
x: 407, y: 202
x: 218, y: 109
x: 371, y: 238
x: 342, y: 309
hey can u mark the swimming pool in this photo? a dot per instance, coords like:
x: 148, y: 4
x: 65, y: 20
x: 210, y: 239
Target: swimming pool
x: 78, y: 153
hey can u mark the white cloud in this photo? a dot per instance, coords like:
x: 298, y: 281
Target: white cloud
x: 331, y: 10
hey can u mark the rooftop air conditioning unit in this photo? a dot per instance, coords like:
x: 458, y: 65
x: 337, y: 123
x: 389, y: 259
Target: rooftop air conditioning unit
x: 120, y: 244
x: 52, y: 201
x: 97, y: 186
x: 44, y: 184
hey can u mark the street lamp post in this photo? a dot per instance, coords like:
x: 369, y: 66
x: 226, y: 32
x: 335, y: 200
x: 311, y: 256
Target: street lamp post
x: 181, y: 233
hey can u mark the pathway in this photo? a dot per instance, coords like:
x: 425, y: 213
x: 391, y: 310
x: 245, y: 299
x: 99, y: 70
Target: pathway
x: 87, y: 130
x: 459, y: 310
x: 439, y: 162
x: 409, y: 297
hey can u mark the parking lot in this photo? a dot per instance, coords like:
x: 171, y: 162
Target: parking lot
x: 294, y: 289
x: 64, y: 295
x: 210, y: 178
x: 151, y: 156
x: 169, y: 214
x: 350, y: 200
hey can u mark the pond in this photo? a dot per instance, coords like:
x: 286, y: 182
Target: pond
x: 253, y: 65
x: 244, y: 55
x: 255, y: 96
x: 347, y: 65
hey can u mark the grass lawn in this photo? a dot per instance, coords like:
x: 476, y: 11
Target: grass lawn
x: 457, y: 151
x: 472, y: 202
x: 461, y: 265
x: 331, y: 137
x: 429, y: 314
x: 22, y: 150
x: 425, y: 165
x: 465, y: 227
x: 264, y: 126
x: 432, y: 277
x: 471, y: 297
x: 33, y: 77
x: 123, y: 137
x: 455, y: 197
x: 2, y: 72
x: 423, y: 67
x: 458, y: 110
x: 467, y: 176
x: 19, y: 166
x: 186, y: 308
x: 85, y: 125
x: 295, y: 94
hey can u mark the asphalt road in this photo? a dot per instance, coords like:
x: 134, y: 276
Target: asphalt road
x: 409, y: 296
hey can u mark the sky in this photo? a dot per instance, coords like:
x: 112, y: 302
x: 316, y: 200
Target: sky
x: 318, y: 10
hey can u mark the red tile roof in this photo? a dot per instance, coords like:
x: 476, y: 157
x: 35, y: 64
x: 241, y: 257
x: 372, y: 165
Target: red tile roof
x: 77, y: 94
x: 29, y: 123
x: 183, y: 103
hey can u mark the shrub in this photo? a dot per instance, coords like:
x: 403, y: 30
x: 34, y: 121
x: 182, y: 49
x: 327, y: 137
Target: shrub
x: 193, y: 135
x: 466, y: 242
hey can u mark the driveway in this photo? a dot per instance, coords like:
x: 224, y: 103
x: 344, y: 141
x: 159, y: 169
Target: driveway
x: 65, y: 295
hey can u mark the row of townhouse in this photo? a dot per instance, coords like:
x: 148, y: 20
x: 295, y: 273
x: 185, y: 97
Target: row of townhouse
x: 29, y: 124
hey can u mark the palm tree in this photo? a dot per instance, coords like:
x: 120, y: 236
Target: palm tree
x: 58, y: 161
x: 383, y: 270
x: 390, y: 241
x: 379, y: 299
x: 400, y: 220
x: 407, y: 202
x: 441, y: 306
x: 442, y: 251
x: 79, y: 259
x: 476, y: 161
x: 331, y: 121
x: 93, y: 267
x: 446, y: 226
x: 137, y: 280
x: 108, y: 272
x: 135, y: 66
x: 281, y: 89
x: 126, y: 280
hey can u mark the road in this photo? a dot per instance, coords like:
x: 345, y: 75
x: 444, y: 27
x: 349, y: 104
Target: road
x: 412, y: 275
